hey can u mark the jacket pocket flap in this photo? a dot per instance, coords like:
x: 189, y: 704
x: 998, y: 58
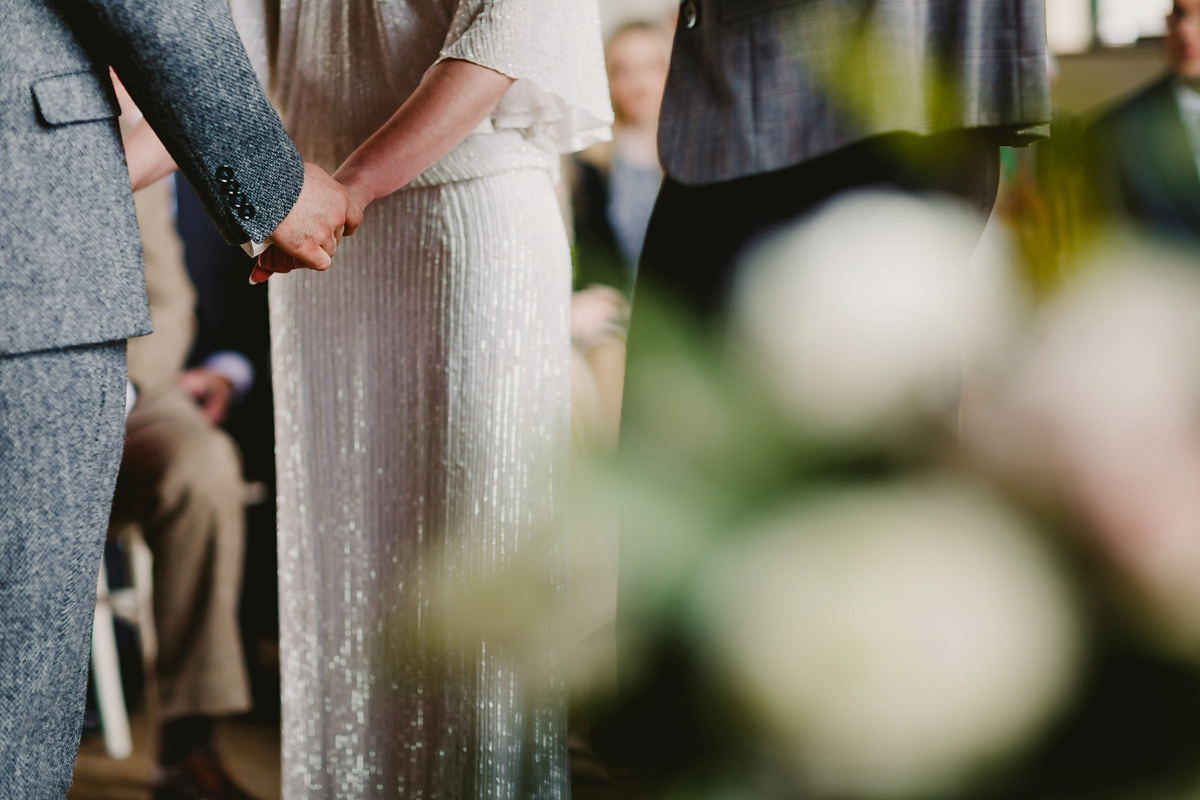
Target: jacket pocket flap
x: 75, y: 97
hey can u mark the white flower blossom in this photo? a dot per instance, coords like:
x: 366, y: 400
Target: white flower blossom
x: 856, y: 319
x: 895, y: 640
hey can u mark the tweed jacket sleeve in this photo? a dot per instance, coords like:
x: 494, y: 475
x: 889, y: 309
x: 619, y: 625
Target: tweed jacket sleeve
x: 183, y: 63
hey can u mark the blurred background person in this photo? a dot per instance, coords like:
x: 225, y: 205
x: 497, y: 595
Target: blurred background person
x: 616, y: 182
x: 1145, y: 150
x: 614, y: 186
x: 181, y: 483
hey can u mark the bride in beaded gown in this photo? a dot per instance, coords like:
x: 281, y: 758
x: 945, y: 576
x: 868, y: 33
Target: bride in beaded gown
x: 421, y: 385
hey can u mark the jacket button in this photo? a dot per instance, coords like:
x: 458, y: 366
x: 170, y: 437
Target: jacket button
x: 239, y: 200
x: 690, y: 14
x: 224, y: 174
x: 246, y: 212
x: 231, y: 188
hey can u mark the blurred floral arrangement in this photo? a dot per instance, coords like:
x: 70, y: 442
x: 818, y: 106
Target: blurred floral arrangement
x: 921, y: 519
x: 920, y: 522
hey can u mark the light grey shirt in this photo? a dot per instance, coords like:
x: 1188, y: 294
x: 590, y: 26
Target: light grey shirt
x: 632, y: 190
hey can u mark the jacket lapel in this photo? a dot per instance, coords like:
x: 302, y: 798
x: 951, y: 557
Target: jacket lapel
x: 1171, y: 152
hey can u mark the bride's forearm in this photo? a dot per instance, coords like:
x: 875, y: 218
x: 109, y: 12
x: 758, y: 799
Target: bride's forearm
x: 452, y: 99
x: 145, y: 155
x: 148, y: 160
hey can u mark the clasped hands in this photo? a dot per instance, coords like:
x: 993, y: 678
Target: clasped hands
x: 309, y: 235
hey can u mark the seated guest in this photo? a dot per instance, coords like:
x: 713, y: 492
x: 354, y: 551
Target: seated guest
x: 181, y: 482
x: 1145, y: 152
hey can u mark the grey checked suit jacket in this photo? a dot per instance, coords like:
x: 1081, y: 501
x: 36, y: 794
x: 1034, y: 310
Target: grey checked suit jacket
x: 70, y: 254
x: 760, y: 85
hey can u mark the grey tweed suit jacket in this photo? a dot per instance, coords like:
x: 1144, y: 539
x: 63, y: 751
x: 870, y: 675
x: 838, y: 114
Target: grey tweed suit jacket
x: 70, y: 254
x: 760, y: 85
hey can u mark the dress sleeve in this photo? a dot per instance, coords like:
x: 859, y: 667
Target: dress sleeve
x: 553, y: 51
x: 253, y: 20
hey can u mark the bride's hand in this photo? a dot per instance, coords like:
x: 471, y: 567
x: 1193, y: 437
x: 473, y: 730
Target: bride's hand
x: 271, y: 261
x: 274, y: 259
x: 358, y: 191
x: 145, y: 155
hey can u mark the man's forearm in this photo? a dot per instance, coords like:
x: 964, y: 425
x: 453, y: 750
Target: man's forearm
x: 185, y: 67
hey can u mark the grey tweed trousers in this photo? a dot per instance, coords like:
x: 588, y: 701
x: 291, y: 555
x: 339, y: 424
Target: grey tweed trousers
x: 61, y: 430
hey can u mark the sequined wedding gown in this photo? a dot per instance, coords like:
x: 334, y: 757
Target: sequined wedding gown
x: 421, y: 393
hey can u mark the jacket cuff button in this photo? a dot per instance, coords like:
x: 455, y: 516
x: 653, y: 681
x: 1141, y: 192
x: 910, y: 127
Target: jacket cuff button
x: 690, y: 14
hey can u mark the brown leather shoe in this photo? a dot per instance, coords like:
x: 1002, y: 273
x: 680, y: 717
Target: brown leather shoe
x: 200, y: 776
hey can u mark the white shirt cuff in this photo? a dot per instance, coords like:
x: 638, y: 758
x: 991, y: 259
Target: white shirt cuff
x: 130, y: 396
x: 255, y: 249
x: 234, y: 367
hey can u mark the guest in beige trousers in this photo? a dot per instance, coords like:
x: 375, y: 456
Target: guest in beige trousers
x: 181, y: 482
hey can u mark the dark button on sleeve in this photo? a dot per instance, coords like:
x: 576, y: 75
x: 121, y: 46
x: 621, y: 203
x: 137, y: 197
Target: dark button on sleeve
x: 224, y: 174
x: 246, y: 212
x: 690, y: 14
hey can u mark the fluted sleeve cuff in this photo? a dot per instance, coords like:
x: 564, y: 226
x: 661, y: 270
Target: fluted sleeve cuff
x: 554, y: 54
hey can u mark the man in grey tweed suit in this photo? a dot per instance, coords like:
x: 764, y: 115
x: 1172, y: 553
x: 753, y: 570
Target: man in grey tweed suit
x: 72, y: 290
x: 774, y: 106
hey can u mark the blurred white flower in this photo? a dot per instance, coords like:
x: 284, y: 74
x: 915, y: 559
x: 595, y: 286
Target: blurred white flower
x: 856, y: 319
x: 1104, y: 409
x: 896, y: 640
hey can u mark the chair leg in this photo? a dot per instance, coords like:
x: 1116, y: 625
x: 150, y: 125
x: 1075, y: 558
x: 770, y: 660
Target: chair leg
x: 106, y: 676
x: 141, y: 570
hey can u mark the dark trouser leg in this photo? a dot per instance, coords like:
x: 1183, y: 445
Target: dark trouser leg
x: 698, y: 233
x: 61, y: 428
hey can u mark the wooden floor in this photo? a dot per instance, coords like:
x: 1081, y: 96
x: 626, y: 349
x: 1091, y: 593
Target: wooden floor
x: 250, y: 749
x: 251, y: 752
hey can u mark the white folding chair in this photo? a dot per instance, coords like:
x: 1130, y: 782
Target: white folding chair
x: 133, y: 605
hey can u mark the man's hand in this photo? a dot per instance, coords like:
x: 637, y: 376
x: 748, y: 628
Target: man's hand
x: 309, y: 234
x: 211, y: 390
